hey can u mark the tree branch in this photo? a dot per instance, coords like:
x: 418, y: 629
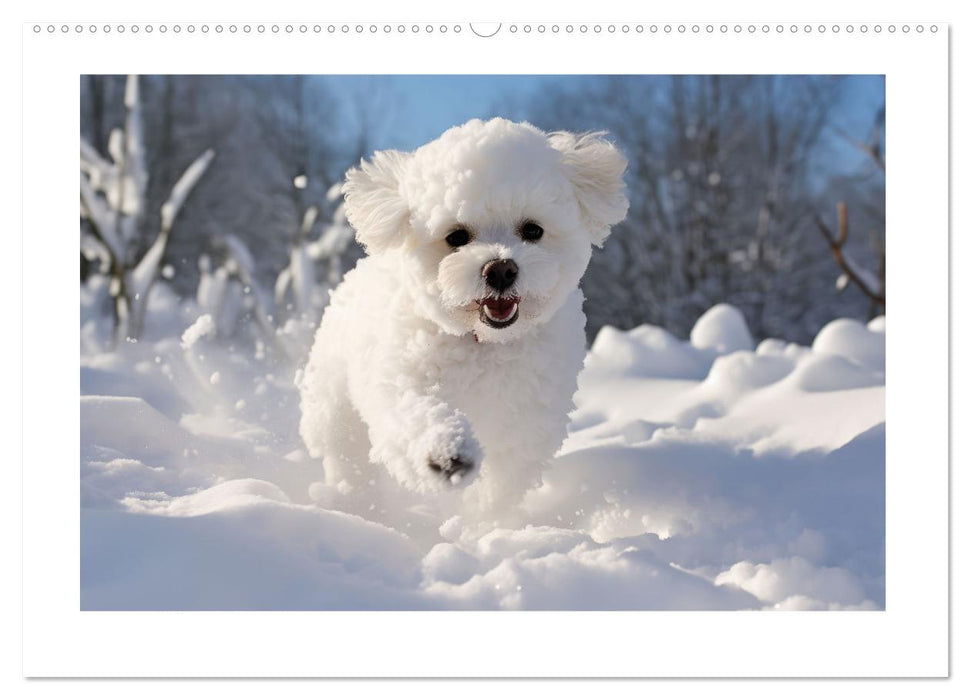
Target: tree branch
x: 870, y: 149
x: 868, y: 284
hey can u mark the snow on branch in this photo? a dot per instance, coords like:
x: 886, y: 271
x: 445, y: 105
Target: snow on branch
x: 868, y: 283
x: 99, y: 213
x: 114, y: 199
x: 133, y: 168
x: 309, y: 219
x: 183, y: 187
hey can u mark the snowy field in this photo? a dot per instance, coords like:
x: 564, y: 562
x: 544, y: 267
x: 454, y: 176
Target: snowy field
x: 705, y: 473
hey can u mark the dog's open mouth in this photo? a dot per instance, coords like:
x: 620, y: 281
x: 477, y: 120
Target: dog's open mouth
x: 499, y: 313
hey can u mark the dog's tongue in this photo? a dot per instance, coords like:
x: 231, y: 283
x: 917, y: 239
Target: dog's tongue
x: 500, y: 309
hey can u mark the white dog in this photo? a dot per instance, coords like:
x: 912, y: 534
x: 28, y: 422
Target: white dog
x: 454, y: 347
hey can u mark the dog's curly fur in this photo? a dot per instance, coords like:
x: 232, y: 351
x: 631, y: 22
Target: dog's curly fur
x: 422, y: 363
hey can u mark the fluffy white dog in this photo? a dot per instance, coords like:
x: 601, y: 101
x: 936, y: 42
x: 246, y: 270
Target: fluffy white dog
x: 454, y: 347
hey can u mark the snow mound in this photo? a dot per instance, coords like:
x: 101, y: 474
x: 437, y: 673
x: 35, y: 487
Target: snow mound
x: 146, y: 431
x: 852, y: 340
x: 259, y: 556
x: 542, y: 568
x: 743, y: 371
x: 646, y: 351
x: 795, y: 584
x: 699, y: 474
x: 833, y: 373
x: 228, y: 495
x: 779, y: 348
x: 723, y: 329
x: 649, y: 351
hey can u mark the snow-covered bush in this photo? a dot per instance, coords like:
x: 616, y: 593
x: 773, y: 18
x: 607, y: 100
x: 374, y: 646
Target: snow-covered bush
x: 113, y: 202
x: 230, y: 291
x: 231, y: 294
x: 300, y: 293
x: 116, y: 244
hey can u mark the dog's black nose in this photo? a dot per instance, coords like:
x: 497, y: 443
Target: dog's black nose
x: 500, y: 274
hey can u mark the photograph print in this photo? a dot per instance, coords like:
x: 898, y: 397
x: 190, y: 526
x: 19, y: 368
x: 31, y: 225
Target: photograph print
x: 445, y: 342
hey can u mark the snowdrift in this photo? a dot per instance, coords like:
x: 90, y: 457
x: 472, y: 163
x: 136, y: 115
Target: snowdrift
x: 707, y: 473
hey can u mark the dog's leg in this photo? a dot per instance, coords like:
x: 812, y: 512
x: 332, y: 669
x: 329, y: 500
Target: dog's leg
x: 425, y: 443
x: 329, y: 426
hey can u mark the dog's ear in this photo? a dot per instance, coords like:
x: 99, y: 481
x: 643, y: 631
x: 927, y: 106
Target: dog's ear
x: 596, y: 168
x: 373, y: 202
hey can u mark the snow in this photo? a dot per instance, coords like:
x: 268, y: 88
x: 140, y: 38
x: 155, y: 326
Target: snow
x: 723, y: 329
x: 202, y: 327
x: 115, y: 216
x: 851, y: 339
x: 707, y: 473
x: 182, y: 188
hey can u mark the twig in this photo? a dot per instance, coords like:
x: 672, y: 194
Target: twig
x: 870, y: 149
x: 872, y: 288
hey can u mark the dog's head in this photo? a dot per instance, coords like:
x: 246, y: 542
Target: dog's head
x: 492, y: 223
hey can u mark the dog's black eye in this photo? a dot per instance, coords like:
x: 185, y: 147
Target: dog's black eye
x: 458, y: 238
x: 531, y: 231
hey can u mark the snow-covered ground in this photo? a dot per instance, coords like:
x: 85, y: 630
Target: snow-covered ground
x: 699, y: 474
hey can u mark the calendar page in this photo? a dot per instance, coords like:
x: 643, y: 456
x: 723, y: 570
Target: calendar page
x: 438, y: 347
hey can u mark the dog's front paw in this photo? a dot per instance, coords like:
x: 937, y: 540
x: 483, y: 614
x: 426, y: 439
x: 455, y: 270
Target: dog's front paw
x: 443, y: 454
x: 454, y: 470
x: 452, y: 455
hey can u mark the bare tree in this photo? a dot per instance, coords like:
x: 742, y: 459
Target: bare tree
x: 722, y: 197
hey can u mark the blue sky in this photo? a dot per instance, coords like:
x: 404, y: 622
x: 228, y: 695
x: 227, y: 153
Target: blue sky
x: 426, y: 105
x: 417, y: 108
